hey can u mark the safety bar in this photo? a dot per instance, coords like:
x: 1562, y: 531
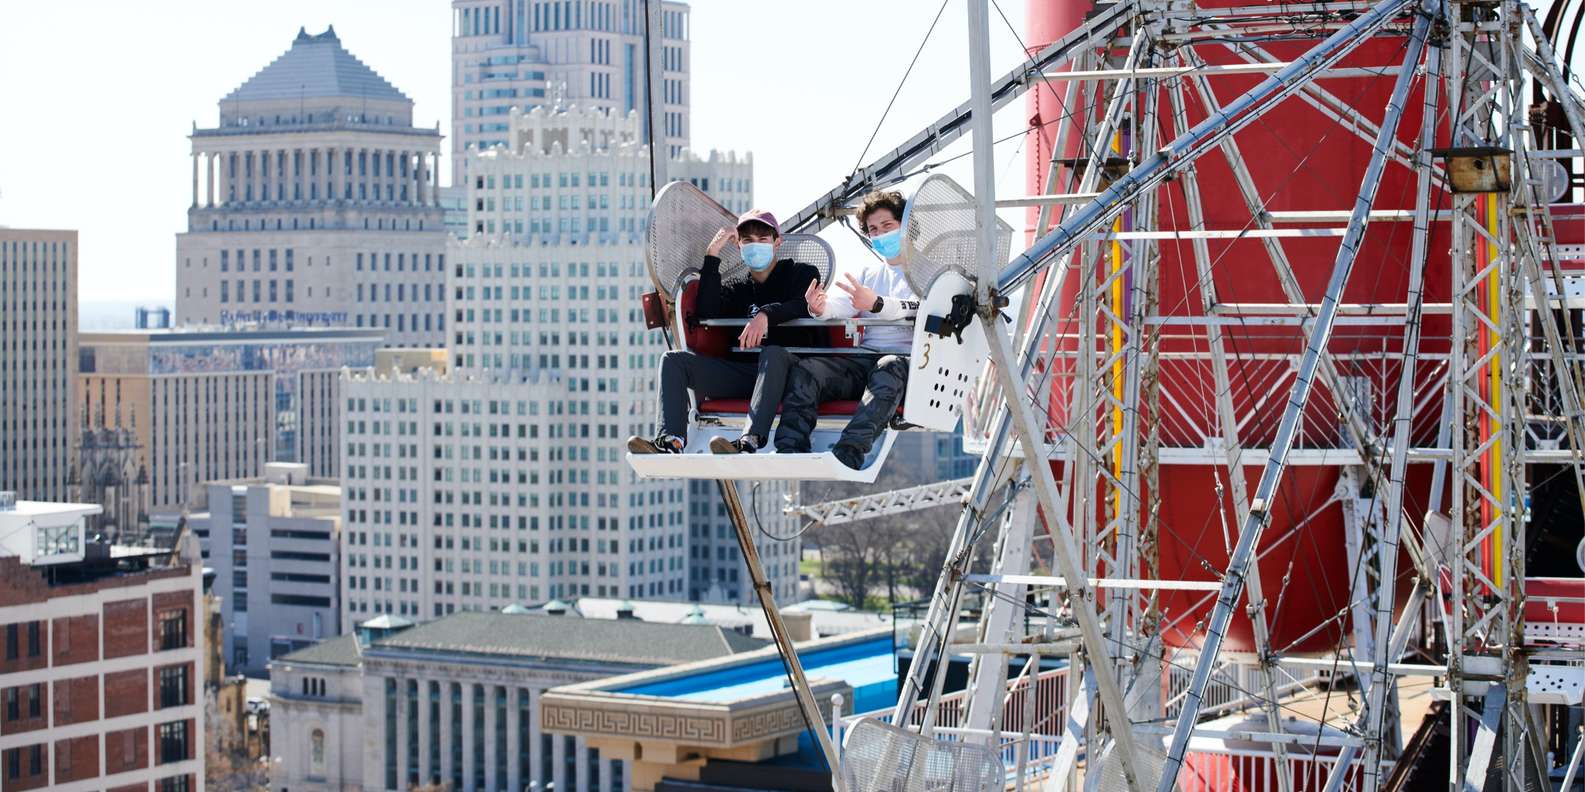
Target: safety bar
x: 826, y: 350
x: 814, y: 322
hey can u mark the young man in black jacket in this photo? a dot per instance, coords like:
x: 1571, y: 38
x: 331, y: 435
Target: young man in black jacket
x: 772, y: 294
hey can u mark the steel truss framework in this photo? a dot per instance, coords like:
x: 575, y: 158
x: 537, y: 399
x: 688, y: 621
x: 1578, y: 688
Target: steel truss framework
x: 1142, y: 65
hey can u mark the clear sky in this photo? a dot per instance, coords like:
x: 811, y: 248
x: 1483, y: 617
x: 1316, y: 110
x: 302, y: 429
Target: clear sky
x: 97, y: 98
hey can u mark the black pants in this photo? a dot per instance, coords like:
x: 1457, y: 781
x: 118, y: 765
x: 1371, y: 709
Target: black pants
x: 761, y: 381
x: 879, y: 384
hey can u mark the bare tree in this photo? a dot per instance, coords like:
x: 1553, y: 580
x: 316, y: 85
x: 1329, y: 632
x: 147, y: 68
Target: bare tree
x: 850, y: 556
x: 901, y: 553
x: 232, y: 770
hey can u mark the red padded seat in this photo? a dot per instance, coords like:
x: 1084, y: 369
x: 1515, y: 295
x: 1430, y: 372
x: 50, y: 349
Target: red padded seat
x: 716, y: 341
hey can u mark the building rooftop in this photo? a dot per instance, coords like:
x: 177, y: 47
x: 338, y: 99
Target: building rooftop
x: 316, y: 67
x: 825, y: 621
x: 342, y: 651
x: 29, y: 583
x: 202, y: 335
x: 572, y: 638
x: 27, y: 509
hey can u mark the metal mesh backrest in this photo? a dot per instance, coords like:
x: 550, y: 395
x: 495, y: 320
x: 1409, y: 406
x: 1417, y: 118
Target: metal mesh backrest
x: 878, y: 757
x: 682, y: 222
x: 938, y: 228
x: 809, y: 249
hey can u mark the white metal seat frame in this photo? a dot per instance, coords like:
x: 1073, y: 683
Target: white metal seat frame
x: 681, y: 222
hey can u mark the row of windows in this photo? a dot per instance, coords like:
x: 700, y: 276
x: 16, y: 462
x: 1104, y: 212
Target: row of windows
x: 260, y: 294
x: 404, y: 323
x: 45, y: 256
x: 433, y: 262
x: 564, y: 179
x: 401, y: 292
x: 275, y: 258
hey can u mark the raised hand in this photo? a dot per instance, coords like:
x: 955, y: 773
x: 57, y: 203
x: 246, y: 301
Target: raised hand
x: 754, y: 331
x: 719, y: 241
x: 815, y: 298
x: 863, y: 296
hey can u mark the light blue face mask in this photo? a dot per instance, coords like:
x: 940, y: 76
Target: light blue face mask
x: 757, y: 255
x: 889, y: 244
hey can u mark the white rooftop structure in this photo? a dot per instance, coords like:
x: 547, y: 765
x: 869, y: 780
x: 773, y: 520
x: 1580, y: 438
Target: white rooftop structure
x: 41, y: 532
x: 748, y: 619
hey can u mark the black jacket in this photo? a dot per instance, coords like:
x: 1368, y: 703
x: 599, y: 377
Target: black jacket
x: 780, y: 298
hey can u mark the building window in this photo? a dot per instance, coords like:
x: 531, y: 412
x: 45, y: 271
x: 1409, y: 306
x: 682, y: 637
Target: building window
x: 179, y: 783
x: 172, y: 742
x: 173, y: 629
x: 316, y: 754
x: 390, y: 734
x: 173, y: 687
x: 35, y: 644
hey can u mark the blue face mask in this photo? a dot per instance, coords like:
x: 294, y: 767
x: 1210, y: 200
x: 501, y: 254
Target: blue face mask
x: 889, y: 244
x: 757, y: 255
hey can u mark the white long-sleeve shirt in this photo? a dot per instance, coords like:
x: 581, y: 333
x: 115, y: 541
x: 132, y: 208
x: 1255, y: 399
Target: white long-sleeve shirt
x: 898, y: 302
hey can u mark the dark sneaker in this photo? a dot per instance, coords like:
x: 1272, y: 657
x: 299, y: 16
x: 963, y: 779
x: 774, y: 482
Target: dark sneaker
x: 660, y: 445
x: 742, y: 445
x: 848, y: 456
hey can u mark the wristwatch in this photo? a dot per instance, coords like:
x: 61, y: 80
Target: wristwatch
x: 878, y: 303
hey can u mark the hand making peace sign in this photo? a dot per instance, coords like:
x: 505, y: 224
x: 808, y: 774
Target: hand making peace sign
x: 863, y: 296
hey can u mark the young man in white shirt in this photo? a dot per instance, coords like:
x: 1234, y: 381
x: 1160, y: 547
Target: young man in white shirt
x: 878, y: 292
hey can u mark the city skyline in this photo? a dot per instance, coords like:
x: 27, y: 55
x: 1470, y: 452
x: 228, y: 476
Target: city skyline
x: 166, y: 81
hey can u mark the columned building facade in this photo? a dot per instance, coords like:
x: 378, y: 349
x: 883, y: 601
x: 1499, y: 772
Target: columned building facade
x: 455, y: 702
x: 315, y: 202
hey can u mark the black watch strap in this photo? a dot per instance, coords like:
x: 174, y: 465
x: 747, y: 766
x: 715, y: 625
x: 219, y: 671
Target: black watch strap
x: 879, y: 302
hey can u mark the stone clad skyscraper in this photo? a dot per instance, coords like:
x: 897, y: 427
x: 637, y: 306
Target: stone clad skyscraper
x: 315, y: 203
x: 532, y: 53
x: 38, y: 362
x: 503, y: 481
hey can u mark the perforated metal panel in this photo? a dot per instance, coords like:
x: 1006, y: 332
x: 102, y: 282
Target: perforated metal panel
x: 881, y: 758
x: 683, y: 220
x: 809, y: 249
x: 943, y: 371
x: 938, y: 233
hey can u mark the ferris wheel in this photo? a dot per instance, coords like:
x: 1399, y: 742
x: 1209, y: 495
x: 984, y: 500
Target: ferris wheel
x: 1278, y: 403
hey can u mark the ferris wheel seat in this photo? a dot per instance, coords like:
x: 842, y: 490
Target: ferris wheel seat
x: 1554, y: 608
x: 697, y: 462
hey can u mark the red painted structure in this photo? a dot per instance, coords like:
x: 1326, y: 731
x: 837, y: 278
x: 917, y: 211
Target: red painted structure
x: 1299, y: 160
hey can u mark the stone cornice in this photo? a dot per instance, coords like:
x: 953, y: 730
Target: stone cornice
x: 690, y: 724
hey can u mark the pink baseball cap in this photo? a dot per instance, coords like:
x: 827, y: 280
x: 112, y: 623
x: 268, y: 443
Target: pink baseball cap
x: 759, y: 216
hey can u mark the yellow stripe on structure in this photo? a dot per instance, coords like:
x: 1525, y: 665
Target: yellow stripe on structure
x: 1494, y: 311
x: 1117, y: 361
